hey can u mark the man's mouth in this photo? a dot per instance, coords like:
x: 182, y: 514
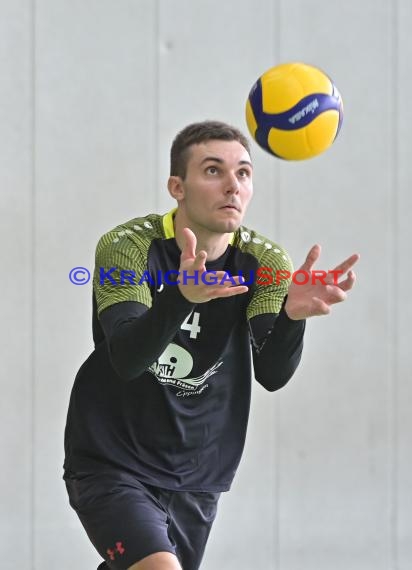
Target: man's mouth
x: 230, y: 207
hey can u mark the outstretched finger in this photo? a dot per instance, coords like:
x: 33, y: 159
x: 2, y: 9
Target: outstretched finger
x: 200, y: 260
x: 349, y: 282
x: 311, y: 258
x: 239, y: 280
x: 223, y: 278
x: 189, y: 248
x: 333, y: 294
x: 320, y: 307
x: 346, y: 265
x: 219, y: 292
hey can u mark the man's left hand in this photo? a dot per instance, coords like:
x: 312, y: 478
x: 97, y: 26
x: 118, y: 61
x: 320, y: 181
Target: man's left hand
x: 316, y: 297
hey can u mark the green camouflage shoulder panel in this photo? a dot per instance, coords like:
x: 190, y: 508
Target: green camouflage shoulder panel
x: 276, y: 269
x: 121, y: 260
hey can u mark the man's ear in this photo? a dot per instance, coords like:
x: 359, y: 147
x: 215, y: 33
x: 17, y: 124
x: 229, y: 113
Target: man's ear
x: 175, y: 187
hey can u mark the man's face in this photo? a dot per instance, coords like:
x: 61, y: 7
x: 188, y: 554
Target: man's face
x: 218, y: 186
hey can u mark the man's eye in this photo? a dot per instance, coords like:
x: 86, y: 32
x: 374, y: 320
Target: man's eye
x: 212, y: 170
x: 244, y: 173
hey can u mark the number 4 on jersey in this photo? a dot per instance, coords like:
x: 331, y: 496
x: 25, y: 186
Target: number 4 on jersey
x: 193, y: 326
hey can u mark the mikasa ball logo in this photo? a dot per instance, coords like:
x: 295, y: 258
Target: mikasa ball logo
x: 310, y: 108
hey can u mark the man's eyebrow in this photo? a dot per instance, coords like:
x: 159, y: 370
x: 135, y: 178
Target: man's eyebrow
x: 214, y: 158
x: 221, y: 161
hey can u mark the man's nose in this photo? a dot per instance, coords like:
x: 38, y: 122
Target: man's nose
x: 233, y: 184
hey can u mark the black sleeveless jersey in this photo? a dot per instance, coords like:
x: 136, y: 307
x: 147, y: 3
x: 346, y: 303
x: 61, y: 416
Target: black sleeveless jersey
x: 166, y: 395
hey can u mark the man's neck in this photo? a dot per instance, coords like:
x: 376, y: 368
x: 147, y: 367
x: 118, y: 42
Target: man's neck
x: 214, y: 244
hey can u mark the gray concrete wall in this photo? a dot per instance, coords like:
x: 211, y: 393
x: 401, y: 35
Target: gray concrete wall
x: 92, y: 92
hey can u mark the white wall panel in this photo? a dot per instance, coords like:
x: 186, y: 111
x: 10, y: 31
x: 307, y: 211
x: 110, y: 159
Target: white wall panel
x: 335, y: 473
x: 16, y: 379
x: 400, y: 286
x: 95, y: 162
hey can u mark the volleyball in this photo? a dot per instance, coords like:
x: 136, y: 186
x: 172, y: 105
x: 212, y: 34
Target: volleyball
x: 294, y: 111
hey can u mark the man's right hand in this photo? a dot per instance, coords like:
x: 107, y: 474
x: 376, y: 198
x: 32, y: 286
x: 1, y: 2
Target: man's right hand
x: 196, y: 289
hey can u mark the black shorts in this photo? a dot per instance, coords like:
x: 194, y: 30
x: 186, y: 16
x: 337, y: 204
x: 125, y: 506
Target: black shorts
x: 127, y: 520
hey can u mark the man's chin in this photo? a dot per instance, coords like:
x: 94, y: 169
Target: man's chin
x: 228, y: 227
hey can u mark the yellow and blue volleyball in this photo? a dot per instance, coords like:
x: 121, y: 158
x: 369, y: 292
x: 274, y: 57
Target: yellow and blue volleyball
x: 294, y: 111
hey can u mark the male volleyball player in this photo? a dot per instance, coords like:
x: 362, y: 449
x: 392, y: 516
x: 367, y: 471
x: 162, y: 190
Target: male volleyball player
x: 158, y: 412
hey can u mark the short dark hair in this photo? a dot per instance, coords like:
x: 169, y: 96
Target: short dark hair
x: 197, y: 133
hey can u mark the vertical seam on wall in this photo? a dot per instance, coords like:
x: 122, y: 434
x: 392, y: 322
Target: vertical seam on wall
x: 156, y: 122
x: 393, y: 304
x: 33, y: 275
x: 276, y: 163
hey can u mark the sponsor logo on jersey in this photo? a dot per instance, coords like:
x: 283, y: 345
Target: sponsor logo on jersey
x: 173, y: 367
